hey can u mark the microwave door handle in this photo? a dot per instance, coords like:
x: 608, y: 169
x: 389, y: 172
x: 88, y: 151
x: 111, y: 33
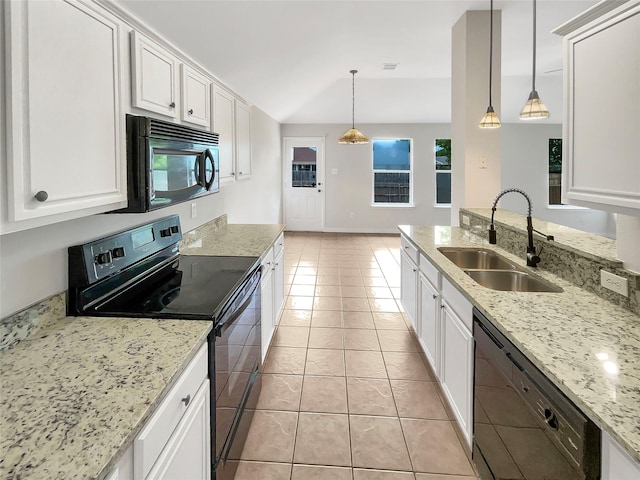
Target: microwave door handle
x: 198, y: 169
x: 208, y: 158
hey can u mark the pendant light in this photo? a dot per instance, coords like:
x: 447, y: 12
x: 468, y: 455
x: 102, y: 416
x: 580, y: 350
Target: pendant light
x: 534, y: 108
x: 353, y: 135
x: 490, y: 119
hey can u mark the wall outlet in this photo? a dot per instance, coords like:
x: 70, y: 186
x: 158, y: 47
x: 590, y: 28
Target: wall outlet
x: 465, y: 220
x: 482, y: 162
x: 194, y: 210
x: 614, y: 282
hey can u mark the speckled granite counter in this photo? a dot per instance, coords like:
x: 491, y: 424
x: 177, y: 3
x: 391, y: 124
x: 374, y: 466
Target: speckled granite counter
x: 586, y: 345
x: 77, y: 392
x: 231, y: 240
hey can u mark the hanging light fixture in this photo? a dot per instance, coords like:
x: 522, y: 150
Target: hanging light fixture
x: 490, y: 119
x: 534, y: 108
x: 353, y: 135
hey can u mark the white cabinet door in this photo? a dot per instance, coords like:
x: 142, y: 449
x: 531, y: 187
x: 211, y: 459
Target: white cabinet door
x: 188, y: 452
x: 196, y: 97
x: 457, y: 368
x: 224, y: 125
x: 616, y: 463
x: 430, y: 322
x: 601, y: 124
x: 155, y: 77
x: 278, y: 286
x: 409, y: 287
x: 65, y: 129
x: 243, y: 139
x: 266, y: 298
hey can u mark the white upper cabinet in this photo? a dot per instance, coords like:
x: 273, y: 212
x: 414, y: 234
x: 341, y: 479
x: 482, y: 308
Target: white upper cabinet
x: 223, y: 125
x: 65, y: 128
x: 154, y: 77
x: 601, y: 128
x: 196, y: 100
x: 243, y: 139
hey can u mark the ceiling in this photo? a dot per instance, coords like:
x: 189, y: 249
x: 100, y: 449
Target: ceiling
x: 292, y: 58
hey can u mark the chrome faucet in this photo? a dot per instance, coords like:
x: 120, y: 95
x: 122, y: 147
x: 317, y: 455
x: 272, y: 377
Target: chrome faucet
x: 533, y: 258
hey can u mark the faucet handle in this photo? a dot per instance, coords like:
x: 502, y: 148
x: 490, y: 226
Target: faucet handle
x: 492, y: 235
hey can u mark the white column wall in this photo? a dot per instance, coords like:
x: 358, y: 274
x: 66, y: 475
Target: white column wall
x: 475, y: 151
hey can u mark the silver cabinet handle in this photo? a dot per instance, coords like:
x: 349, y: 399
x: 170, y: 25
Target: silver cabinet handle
x: 172, y: 105
x: 42, y: 196
x: 435, y: 296
x: 240, y: 173
x: 186, y: 400
x: 233, y: 173
x: 191, y: 111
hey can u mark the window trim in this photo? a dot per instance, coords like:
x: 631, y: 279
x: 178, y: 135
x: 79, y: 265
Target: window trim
x: 373, y: 171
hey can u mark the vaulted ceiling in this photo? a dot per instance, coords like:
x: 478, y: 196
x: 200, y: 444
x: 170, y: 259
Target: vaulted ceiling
x: 292, y: 58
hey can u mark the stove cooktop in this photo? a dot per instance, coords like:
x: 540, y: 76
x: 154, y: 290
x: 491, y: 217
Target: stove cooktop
x: 192, y: 287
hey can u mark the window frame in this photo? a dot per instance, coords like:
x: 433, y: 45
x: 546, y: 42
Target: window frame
x: 409, y: 204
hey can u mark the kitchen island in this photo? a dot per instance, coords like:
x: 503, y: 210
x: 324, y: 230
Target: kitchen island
x: 566, y: 335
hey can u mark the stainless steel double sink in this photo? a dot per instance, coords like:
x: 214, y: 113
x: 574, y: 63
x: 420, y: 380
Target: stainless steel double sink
x: 492, y: 270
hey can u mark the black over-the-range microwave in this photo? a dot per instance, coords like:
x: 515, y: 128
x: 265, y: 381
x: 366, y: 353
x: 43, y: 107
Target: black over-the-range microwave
x: 168, y: 163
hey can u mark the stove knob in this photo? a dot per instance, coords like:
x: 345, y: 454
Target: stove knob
x: 118, y: 252
x: 103, y: 258
x: 174, y: 229
x: 165, y: 232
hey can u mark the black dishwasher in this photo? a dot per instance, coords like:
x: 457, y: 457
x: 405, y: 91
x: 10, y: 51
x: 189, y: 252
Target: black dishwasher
x: 524, y: 427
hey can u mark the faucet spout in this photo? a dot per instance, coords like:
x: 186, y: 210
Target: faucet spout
x: 532, y: 258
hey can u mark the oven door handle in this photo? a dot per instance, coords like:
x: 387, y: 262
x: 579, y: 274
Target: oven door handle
x: 221, y: 327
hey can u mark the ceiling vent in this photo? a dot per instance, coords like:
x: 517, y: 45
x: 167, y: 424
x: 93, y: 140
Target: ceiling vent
x: 389, y: 66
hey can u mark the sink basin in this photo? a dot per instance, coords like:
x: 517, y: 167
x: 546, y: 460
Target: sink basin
x: 511, y: 281
x: 476, y: 258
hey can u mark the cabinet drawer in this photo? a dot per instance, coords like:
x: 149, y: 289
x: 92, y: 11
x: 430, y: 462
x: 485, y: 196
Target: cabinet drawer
x: 279, y: 245
x: 458, y: 303
x: 409, y: 249
x: 154, y: 436
x: 429, y: 271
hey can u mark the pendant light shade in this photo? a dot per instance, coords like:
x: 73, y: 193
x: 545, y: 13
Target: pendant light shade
x: 534, y: 108
x: 353, y: 135
x: 490, y: 119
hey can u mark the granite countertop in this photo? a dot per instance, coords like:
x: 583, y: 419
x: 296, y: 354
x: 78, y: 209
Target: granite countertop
x: 77, y: 392
x: 589, y: 347
x: 250, y: 240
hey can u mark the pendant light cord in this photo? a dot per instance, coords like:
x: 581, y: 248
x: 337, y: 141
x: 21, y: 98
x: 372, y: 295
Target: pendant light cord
x: 491, y: 54
x: 353, y: 98
x: 533, y: 88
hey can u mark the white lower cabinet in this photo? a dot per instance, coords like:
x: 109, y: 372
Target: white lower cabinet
x: 267, y: 322
x: 175, y: 442
x: 187, y: 454
x: 409, y: 287
x: 430, y: 322
x: 272, y: 291
x: 457, y: 368
x: 616, y: 463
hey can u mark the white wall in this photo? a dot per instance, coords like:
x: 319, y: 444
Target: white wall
x: 350, y: 190
x: 525, y: 162
x: 33, y: 263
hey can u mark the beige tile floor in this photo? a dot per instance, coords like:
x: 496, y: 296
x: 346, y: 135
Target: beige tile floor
x: 346, y: 394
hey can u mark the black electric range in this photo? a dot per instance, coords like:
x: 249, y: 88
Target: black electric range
x: 140, y: 273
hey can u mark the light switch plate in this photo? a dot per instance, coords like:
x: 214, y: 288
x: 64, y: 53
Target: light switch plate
x: 614, y: 282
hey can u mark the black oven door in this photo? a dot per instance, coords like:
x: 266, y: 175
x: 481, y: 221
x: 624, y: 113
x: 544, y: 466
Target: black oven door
x: 178, y: 173
x: 237, y: 366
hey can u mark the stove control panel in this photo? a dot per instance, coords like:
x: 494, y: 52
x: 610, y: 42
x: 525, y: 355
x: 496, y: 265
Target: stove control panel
x: 101, y: 258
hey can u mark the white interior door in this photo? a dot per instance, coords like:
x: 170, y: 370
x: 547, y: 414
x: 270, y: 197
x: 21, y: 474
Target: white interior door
x: 304, y: 183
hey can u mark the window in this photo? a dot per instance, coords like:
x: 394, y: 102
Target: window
x: 443, y: 171
x: 555, y: 171
x: 392, y: 168
x: 303, y: 167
